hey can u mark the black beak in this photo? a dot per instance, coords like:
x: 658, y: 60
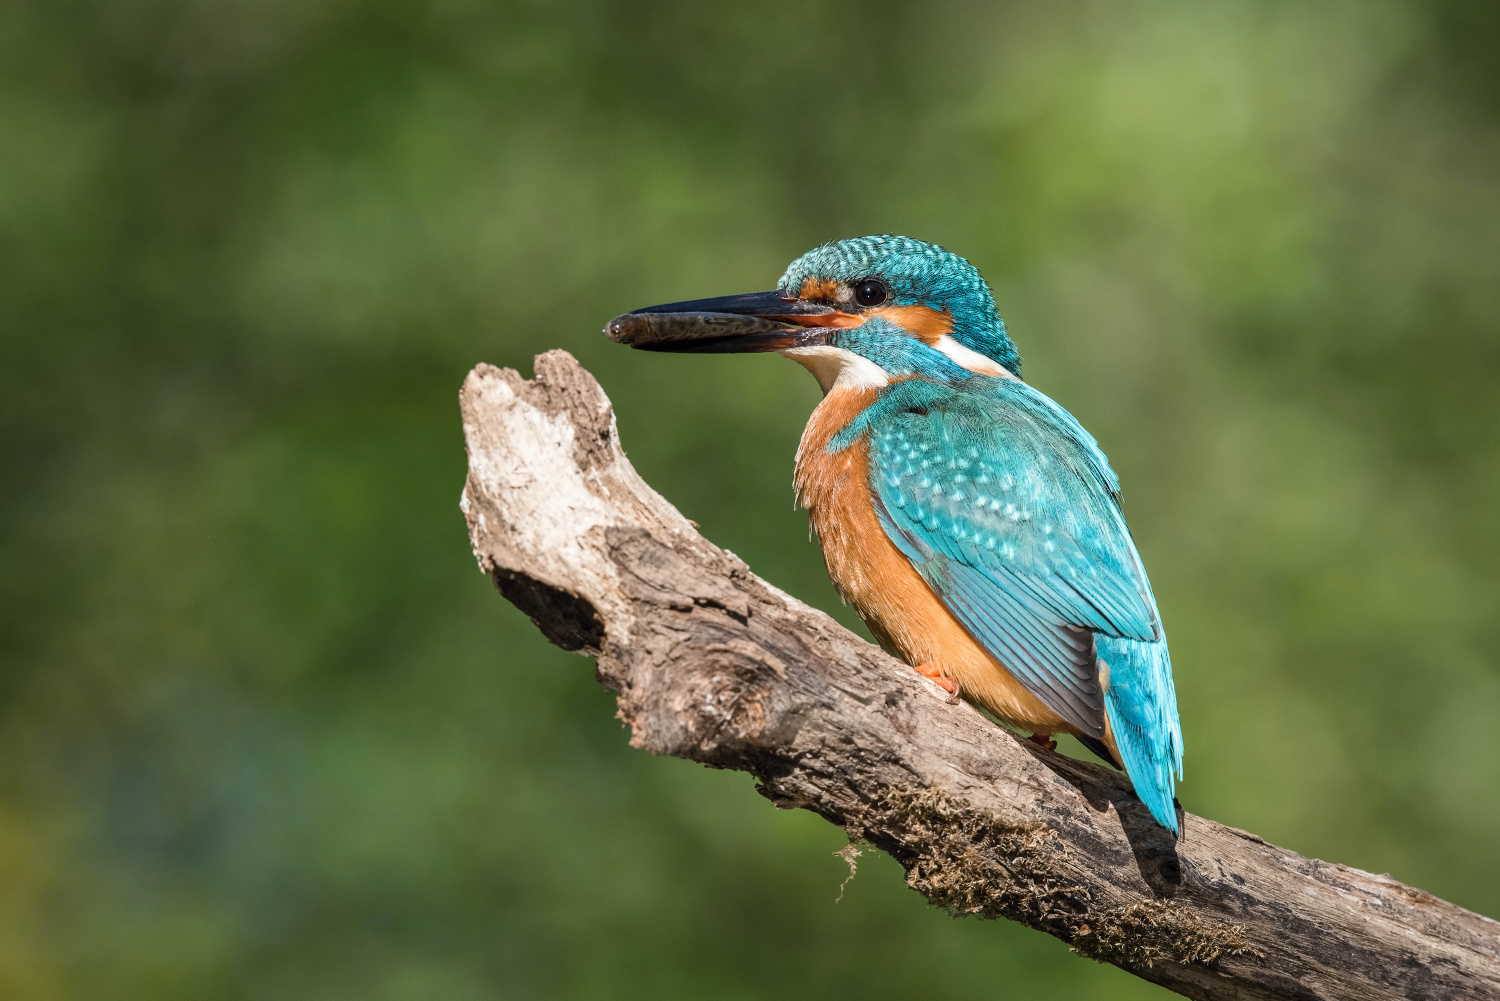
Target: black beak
x: 755, y: 321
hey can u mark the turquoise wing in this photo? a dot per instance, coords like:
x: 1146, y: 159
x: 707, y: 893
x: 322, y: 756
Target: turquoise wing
x: 1008, y: 509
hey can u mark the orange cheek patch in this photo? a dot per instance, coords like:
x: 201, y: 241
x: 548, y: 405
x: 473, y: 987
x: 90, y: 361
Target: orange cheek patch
x: 927, y: 323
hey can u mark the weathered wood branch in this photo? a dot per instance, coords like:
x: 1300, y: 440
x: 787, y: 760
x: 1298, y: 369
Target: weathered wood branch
x: 712, y: 664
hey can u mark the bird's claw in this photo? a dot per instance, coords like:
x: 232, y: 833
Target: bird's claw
x: 1043, y: 740
x: 942, y: 679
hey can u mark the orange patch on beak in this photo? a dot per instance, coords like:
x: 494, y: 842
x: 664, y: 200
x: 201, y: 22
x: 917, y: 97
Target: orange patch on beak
x: 927, y: 323
x: 844, y: 320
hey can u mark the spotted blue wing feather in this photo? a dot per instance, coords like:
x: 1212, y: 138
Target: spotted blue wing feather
x: 1009, y: 510
x: 1050, y: 657
x: 1007, y: 479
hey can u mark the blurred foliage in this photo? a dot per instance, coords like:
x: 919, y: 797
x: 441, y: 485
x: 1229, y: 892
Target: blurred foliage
x: 268, y: 734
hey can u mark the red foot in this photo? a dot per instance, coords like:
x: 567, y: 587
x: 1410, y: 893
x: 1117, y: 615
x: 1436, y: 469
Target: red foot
x: 939, y: 675
x: 1043, y: 740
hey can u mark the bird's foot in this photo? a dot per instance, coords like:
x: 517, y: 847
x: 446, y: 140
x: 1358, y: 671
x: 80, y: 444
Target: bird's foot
x: 942, y: 678
x: 1043, y: 740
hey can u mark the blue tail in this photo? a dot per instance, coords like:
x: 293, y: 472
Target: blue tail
x: 1142, y: 707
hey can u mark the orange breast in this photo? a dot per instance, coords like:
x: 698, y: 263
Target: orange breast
x: 873, y: 576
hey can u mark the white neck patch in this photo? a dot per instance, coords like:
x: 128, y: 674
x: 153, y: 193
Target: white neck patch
x: 971, y: 359
x: 837, y: 368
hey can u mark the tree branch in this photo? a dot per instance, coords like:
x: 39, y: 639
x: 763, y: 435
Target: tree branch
x: 713, y: 664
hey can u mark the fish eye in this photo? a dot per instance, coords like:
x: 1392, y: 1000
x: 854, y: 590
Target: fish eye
x: 871, y: 292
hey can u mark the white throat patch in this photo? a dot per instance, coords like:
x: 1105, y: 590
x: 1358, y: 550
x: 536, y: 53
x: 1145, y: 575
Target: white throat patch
x: 971, y: 359
x: 836, y: 368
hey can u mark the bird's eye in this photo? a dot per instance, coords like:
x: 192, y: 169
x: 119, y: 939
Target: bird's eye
x: 870, y: 292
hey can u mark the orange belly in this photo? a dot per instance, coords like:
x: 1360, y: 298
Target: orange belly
x: 873, y: 576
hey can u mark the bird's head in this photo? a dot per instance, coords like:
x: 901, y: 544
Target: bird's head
x: 855, y: 312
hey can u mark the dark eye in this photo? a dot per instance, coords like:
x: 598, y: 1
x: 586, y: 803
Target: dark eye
x: 870, y: 292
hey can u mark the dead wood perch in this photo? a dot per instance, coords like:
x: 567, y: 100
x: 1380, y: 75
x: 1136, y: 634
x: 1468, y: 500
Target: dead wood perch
x: 713, y: 664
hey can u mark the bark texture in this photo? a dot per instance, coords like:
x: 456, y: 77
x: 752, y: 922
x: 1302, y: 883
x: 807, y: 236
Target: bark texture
x: 713, y: 664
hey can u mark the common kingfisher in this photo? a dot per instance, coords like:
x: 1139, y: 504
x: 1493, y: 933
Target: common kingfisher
x: 971, y: 521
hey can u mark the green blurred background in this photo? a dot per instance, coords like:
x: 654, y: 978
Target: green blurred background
x: 267, y: 733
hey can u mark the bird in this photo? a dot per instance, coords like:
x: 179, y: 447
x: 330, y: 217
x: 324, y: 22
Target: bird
x: 970, y: 520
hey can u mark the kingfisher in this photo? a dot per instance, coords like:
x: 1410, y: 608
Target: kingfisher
x: 971, y: 521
